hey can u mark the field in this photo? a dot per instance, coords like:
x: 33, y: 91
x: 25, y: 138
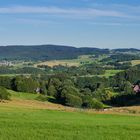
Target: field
x: 109, y: 73
x: 26, y: 119
x: 84, y: 59
x: 135, y: 62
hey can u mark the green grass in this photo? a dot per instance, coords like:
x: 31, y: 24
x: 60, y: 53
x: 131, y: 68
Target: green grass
x: 13, y: 75
x: 109, y: 73
x: 22, y: 124
x: 10, y: 75
x: 29, y: 96
x: 83, y: 59
x: 18, y: 123
x: 22, y: 95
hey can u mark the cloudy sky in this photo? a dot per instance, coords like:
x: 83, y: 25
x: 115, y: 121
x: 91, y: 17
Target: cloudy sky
x: 81, y: 23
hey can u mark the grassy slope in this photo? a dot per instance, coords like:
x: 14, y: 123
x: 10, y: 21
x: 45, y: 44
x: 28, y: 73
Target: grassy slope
x: 30, y: 124
x: 17, y: 122
x: 22, y: 95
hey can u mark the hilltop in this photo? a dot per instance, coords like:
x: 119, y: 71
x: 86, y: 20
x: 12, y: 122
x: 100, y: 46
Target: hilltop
x: 46, y: 52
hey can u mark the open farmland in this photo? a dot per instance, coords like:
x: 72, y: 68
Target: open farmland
x: 84, y: 59
x: 36, y: 124
x: 26, y: 119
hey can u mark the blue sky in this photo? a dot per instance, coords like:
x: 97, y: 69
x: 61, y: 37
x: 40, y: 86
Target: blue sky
x: 80, y: 23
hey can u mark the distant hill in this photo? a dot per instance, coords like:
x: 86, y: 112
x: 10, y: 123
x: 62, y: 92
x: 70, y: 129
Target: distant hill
x: 53, y: 52
x: 46, y: 52
x: 126, y: 50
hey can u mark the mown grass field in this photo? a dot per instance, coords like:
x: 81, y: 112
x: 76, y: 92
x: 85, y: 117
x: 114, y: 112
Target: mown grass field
x: 19, y: 122
x: 29, y: 124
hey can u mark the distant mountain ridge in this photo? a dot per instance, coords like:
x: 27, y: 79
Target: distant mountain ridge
x: 126, y: 50
x: 51, y: 52
x: 46, y: 52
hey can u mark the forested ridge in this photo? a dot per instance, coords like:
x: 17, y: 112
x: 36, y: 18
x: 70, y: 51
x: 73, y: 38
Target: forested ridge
x: 46, y: 52
x: 52, y: 52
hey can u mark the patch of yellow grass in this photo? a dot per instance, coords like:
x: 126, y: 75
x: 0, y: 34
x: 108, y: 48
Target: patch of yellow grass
x: 83, y: 59
x: 59, y: 62
x: 33, y: 105
x: 135, y: 62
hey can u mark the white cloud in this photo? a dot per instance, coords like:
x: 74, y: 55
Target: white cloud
x: 93, y: 12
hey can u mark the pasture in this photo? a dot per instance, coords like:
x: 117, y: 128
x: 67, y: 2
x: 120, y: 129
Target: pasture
x: 109, y: 73
x: 33, y: 124
x: 23, y: 118
x: 83, y: 59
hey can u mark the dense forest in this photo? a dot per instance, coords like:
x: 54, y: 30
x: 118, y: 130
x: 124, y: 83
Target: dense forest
x: 46, y: 52
x: 53, y: 52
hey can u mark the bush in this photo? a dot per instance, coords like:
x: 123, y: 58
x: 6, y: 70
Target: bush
x: 6, y: 82
x: 93, y: 103
x: 70, y: 96
x: 73, y: 101
x: 52, y: 91
x: 4, y: 94
x: 103, y: 94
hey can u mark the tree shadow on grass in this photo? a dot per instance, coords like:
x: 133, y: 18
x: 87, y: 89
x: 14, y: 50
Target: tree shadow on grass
x: 124, y: 100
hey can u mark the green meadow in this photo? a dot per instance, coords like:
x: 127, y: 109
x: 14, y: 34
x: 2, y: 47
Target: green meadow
x: 36, y: 124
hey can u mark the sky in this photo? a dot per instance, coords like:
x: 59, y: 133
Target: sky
x: 79, y: 23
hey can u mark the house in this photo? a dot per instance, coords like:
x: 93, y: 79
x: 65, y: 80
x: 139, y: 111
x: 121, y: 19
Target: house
x: 136, y: 88
x: 6, y: 63
x: 38, y: 90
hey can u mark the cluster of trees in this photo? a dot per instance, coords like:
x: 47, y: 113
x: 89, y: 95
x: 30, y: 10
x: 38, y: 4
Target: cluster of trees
x: 67, y: 92
x: 46, y: 52
x: 19, y: 83
x: 78, y: 91
x: 120, y: 58
x: 118, y: 65
x: 62, y: 88
x: 24, y: 70
x: 88, y: 69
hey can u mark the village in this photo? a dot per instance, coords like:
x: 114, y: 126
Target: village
x: 6, y: 63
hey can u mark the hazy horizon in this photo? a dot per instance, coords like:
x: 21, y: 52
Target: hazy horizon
x: 65, y: 46
x: 82, y: 23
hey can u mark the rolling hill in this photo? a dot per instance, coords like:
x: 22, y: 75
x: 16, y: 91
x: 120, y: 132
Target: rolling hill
x: 46, y: 52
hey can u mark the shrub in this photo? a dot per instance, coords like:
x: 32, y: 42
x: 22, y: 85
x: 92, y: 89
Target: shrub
x: 93, y: 103
x: 6, y: 82
x: 72, y: 100
x: 103, y: 94
x: 4, y: 94
x: 68, y: 96
x: 52, y: 91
